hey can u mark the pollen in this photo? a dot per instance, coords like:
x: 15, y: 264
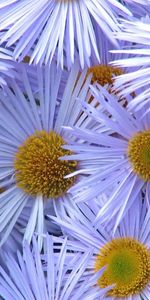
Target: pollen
x: 127, y: 264
x: 37, y: 166
x: 139, y: 154
x: 104, y: 74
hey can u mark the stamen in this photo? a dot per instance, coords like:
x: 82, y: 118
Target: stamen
x: 139, y: 154
x: 38, y: 168
x: 104, y: 74
x: 127, y: 264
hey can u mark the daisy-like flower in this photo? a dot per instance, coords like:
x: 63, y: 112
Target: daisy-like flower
x: 32, y: 136
x: 57, y: 274
x: 120, y: 159
x: 104, y: 73
x: 137, y: 78
x: 64, y: 27
x: 125, y: 254
x: 6, y: 66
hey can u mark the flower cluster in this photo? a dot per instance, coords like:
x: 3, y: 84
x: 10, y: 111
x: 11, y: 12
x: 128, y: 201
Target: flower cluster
x: 74, y: 150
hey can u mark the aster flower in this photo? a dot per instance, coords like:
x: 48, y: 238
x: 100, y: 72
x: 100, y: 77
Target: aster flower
x: 6, y: 66
x: 105, y: 73
x: 59, y: 27
x: 137, y: 78
x: 31, y: 137
x: 120, y: 160
x: 125, y: 254
x: 54, y: 275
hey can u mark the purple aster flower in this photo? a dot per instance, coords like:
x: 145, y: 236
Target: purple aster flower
x: 62, y: 27
x: 125, y: 254
x: 119, y: 159
x: 56, y: 274
x: 105, y: 73
x: 32, y: 136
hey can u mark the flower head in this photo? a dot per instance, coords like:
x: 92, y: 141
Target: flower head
x: 125, y: 255
x: 105, y: 73
x: 32, y: 140
x: 118, y: 158
x: 62, y: 27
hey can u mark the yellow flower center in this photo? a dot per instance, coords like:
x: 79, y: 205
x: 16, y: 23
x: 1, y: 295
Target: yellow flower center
x: 139, y: 154
x: 26, y: 59
x: 127, y: 264
x: 104, y: 74
x: 38, y: 168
